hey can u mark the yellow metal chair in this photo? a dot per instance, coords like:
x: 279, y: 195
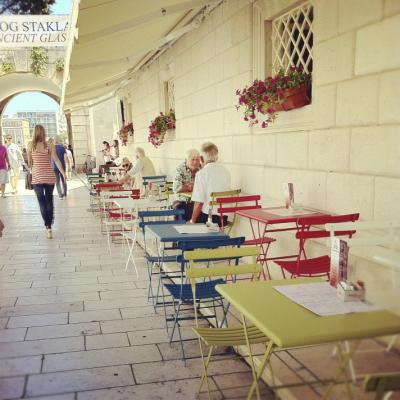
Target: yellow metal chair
x: 214, y: 337
x: 214, y: 204
x: 382, y: 384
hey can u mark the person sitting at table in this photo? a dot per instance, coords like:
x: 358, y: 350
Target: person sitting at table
x: 143, y: 167
x: 213, y: 177
x: 184, y: 180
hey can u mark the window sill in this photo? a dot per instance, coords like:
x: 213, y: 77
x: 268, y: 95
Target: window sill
x: 299, y: 119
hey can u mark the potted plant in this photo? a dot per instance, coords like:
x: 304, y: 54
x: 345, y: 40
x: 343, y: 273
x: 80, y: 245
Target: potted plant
x: 6, y: 67
x: 39, y: 60
x: 282, y: 92
x: 126, y: 131
x: 59, y: 65
x: 159, y: 126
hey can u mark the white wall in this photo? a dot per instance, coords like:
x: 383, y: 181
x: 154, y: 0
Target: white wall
x: 342, y: 152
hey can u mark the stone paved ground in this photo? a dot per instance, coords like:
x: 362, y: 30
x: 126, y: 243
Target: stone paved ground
x: 74, y: 325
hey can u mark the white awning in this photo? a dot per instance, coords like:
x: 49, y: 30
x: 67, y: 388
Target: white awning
x: 112, y: 38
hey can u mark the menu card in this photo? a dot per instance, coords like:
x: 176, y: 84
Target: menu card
x: 339, y: 257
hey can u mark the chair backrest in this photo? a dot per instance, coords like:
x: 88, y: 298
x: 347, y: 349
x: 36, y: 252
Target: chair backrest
x: 195, y: 272
x: 210, y: 244
x: 231, y: 204
x: 107, y: 186
x: 160, y: 217
x: 120, y: 194
x: 305, y: 225
x: 216, y: 195
x: 159, y: 179
x: 382, y: 383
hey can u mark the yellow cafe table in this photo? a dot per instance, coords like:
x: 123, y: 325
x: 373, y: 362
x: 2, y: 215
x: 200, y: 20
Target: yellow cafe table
x: 287, y: 324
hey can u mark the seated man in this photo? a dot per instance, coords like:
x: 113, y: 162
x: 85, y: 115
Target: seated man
x: 184, y: 180
x: 143, y: 167
x: 213, y: 177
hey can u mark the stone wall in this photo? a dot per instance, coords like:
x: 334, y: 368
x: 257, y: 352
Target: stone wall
x: 341, y: 152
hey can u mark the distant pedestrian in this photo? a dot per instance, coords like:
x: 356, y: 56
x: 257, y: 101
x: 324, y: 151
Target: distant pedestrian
x: 4, y: 168
x: 16, y: 161
x: 61, y: 183
x: 25, y: 156
x: 43, y: 178
x: 69, y: 162
x: 72, y: 152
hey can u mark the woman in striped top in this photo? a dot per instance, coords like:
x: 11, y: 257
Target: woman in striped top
x: 40, y: 154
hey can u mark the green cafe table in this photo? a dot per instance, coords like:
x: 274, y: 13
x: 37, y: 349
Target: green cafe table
x: 287, y: 324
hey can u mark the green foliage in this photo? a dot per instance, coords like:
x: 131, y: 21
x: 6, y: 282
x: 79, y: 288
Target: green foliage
x: 26, y: 6
x: 6, y: 67
x: 59, y: 65
x: 39, y: 60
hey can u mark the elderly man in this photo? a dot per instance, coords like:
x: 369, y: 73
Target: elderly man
x: 184, y: 181
x: 143, y: 167
x: 213, y: 177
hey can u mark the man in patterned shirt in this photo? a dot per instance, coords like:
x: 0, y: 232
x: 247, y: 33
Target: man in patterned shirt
x: 184, y: 181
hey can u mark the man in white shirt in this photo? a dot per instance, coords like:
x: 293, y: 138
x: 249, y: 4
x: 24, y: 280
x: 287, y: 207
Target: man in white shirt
x: 143, y: 167
x: 213, y: 177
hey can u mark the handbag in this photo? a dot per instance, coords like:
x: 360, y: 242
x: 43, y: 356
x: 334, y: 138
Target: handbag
x: 28, y: 181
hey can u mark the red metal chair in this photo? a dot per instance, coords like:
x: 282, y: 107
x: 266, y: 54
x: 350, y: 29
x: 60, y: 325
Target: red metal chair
x: 317, y: 266
x: 230, y: 205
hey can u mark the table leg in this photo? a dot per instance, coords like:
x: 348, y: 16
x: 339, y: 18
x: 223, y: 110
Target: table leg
x: 256, y: 373
x: 345, y: 358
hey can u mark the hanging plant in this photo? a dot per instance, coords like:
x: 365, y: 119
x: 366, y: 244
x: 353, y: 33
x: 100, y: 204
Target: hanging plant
x: 125, y: 131
x: 159, y: 126
x: 282, y: 92
x: 59, y: 64
x: 6, y: 67
x: 39, y: 60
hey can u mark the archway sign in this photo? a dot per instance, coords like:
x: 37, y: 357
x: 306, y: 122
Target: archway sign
x: 33, y: 30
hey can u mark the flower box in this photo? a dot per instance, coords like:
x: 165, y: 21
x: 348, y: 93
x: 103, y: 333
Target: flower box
x: 283, y: 92
x: 160, y: 126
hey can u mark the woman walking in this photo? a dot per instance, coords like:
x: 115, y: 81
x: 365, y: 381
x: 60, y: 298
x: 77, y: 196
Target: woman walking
x: 40, y: 154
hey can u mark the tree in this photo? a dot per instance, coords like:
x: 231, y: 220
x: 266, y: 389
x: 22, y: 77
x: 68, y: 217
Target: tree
x: 25, y: 6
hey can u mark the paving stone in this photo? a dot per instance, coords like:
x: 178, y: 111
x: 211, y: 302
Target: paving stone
x: 106, y: 341
x: 12, y: 335
x: 20, y: 366
x: 132, y: 324
x: 57, y: 298
x: 177, y: 390
x: 97, y: 315
x: 101, y: 358
x: 3, y: 322
x: 38, y: 320
x: 57, y: 331
x: 84, y: 379
x: 41, y: 309
x: 11, y: 388
x: 45, y: 346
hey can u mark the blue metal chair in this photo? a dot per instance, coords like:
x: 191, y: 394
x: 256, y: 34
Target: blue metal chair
x: 157, y: 180
x: 182, y: 294
x: 158, y: 217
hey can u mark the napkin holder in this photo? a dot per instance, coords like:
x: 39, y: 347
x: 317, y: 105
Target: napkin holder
x: 348, y: 291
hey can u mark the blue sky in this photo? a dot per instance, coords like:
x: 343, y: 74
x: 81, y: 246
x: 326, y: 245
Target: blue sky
x: 35, y: 101
x: 62, y: 7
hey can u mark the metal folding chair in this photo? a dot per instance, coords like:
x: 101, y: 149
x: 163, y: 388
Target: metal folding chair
x: 226, y: 337
x: 181, y: 292
x: 158, y: 258
x: 317, y: 266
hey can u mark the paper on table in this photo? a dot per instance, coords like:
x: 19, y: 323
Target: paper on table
x: 287, y: 212
x: 196, y: 228
x: 321, y: 299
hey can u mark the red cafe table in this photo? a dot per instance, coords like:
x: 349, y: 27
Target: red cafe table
x: 261, y: 220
